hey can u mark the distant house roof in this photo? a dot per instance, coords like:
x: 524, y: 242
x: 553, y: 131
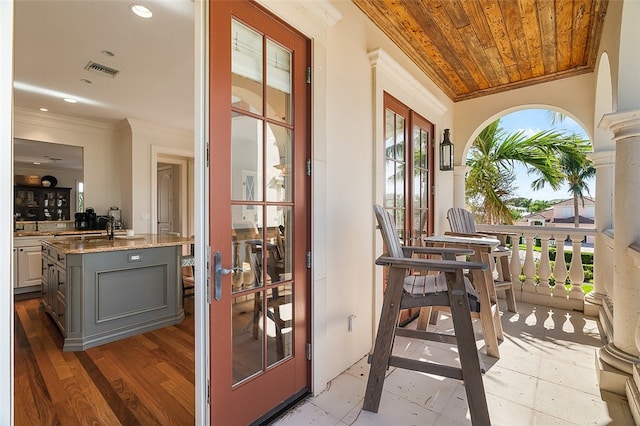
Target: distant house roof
x: 569, y: 202
x: 582, y: 219
x: 547, y: 215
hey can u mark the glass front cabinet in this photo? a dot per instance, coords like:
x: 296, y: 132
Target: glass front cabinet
x: 38, y: 203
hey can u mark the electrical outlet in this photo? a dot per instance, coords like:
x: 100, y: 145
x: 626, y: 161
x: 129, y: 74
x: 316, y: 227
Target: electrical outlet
x: 352, y: 323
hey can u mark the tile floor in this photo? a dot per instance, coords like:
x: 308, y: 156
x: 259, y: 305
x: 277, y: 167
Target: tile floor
x: 545, y: 376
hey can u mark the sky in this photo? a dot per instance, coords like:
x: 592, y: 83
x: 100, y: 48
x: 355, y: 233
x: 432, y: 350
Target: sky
x: 532, y: 121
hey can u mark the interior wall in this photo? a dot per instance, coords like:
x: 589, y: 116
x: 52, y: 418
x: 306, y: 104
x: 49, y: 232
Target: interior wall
x: 144, y: 137
x: 102, y: 177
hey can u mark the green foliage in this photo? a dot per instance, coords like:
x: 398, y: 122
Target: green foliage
x: 539, y: 206
x: 554, y: 157
x: 491, y: 160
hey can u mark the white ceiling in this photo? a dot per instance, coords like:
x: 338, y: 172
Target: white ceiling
x: 55, y: 40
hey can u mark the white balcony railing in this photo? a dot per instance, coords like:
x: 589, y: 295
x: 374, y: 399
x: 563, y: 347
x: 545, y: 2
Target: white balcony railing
x: 523, y: 262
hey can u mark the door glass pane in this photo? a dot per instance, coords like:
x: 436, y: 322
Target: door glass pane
x: 278, y: 168
x: 246, y: 159
x: 389, y: 133
x: 278, y: 83
x: 246, y: 247
x: 279, y: 320
x: 400, y: 170
x: 278, y: 241
x: 390, y: 183
x: 399, y: 137
x: 246, y: 68
x: 247, y: 339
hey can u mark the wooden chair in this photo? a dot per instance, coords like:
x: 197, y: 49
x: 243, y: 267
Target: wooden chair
x: 278, y: 310
x: 448, y: 287
x: 188, y: 264
x: 462, y: 223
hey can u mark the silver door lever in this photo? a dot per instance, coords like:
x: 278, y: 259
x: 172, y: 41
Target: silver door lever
x: 218, y: 272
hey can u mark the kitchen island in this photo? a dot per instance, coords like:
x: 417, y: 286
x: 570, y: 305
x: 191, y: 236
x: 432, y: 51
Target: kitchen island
x: 99, y: 290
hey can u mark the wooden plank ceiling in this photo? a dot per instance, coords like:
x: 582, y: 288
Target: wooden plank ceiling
x: 473, y: 48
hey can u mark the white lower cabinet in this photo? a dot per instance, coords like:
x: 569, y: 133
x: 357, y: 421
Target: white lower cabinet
x: 29, y: 266
x: 27, y: 262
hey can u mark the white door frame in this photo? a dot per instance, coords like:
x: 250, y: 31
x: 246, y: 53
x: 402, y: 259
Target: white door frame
x: 6, y: 221
x: 160, y: 154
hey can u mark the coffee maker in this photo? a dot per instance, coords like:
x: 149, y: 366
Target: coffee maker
x: 87, y: 219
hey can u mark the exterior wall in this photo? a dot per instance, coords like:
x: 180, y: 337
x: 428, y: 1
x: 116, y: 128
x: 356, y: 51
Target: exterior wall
x: 347, y: 156
x: 472, y: 116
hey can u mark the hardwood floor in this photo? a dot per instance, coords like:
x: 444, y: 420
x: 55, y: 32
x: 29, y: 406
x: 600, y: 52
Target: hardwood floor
x: 147, y: 379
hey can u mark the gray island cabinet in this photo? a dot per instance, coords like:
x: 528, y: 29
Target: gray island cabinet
x: 99, y: 290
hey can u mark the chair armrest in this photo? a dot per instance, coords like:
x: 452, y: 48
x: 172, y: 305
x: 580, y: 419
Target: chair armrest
x: 462, y: 234
x: 410, y: 250
x: 428, y: 264
x: 499, y: 233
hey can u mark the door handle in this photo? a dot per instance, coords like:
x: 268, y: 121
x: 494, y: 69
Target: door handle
x: 218, y: 272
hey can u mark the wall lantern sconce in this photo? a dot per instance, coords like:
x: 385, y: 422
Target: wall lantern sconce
x: 446, y: 152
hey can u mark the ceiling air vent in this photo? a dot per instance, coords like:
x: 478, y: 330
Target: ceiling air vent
x: 101, y: 69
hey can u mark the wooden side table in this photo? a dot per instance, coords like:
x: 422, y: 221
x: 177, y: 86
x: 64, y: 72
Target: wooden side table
x: 483, y: 283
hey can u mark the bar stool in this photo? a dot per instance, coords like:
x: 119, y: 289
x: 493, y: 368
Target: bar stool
x: 447, y: 288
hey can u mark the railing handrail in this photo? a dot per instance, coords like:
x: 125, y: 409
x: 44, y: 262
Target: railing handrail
x: 544, y: 230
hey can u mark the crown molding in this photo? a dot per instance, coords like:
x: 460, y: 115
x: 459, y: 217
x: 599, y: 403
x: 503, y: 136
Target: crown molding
x: 46, y: 119
x: 381, y: 60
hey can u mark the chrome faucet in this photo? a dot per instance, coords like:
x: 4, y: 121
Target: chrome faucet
x: 111, y: 228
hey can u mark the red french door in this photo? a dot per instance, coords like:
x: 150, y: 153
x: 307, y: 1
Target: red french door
x: 259, y: 220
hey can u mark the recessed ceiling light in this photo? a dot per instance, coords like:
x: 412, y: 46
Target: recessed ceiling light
x: 70, y: 100
x: 107, y: 53
x: 36, y: 163
x: 44, y: 109
x: 141, y: 11
x: 85, y: 81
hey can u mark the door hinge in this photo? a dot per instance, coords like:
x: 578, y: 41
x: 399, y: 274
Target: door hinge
x: 208, y: 392
x: 308, y: 351
x: 207, y: 155
x: 433, y: 190
x: 308, y: 260
x: 308, y: 166
x: 308, y: 75
x: 208, y: 275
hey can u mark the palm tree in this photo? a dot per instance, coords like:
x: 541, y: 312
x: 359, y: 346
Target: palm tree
x: 577, y: 170
x: 492, y: 158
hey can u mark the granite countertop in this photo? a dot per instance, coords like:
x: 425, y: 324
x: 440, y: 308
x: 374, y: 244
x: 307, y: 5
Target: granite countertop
x: 95, y: 244
x: 66, y: 232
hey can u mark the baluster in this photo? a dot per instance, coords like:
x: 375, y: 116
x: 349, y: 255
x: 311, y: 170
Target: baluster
x: 576, y: 269
x: 544, y: 269
x: 560, y: 270
x: 529, y: 268
x: 514, y: 266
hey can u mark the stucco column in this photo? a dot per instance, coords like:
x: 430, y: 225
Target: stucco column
x: 622, y: 353
x: 603, y: 161
x: 459, y: 175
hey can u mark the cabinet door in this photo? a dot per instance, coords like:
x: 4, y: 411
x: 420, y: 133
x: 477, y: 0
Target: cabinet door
x: 29, y: 266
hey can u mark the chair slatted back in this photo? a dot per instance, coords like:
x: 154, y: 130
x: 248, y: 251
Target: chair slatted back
x: 461, y: 221
x: 389, y: 233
